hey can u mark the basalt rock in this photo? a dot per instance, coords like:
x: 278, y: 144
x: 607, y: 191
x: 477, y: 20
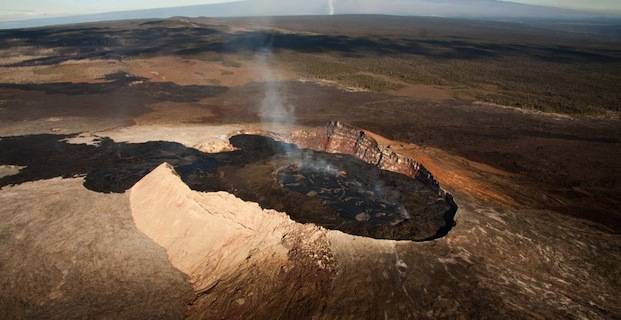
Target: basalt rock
x: 348, y: 183
x: 338, y: 137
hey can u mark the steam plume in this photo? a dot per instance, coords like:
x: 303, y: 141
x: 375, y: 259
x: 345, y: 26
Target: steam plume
x: 331, y: 4
x: 274, y: 107
x: 275, y: 112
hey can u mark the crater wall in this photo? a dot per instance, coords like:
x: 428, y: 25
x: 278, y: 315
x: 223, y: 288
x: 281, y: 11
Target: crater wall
x: 337, y: 137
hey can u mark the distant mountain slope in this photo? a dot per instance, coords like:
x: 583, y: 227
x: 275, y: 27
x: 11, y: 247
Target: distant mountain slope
x: 444, y: 8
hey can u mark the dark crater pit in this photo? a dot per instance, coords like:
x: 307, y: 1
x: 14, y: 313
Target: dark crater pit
x: 336, y: 191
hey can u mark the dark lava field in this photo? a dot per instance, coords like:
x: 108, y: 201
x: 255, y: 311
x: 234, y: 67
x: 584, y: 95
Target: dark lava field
x: 312, y: 167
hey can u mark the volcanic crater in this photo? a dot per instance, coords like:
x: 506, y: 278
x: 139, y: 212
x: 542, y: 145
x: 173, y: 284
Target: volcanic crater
x: 334, y: 176
x: 395, y: 196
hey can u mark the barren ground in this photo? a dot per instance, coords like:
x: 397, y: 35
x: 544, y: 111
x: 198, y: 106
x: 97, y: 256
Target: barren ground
x: 537, y: 232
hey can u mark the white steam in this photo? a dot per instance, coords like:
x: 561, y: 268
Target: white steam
x: 331, y: 5
x: 307, y: 161
x: 273, y: 108
x: 275, y: 113
x: 382, y: 192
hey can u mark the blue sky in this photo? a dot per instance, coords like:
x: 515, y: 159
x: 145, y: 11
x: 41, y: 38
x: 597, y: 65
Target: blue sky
x: 23, y: 9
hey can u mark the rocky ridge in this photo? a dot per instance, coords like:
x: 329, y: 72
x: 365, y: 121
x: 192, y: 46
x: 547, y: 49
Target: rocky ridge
x: 337, y: 137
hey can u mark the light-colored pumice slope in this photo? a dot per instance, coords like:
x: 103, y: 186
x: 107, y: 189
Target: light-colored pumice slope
x: 222, y: 243
x: 70, y: 253
x: 162, y: 250
x: 6, y: 171
x: 204, y: 231
x: 246, y: 262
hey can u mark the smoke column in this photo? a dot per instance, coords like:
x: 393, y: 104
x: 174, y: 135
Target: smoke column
x: 273, y: 108
x: 331, y: 4
x: 276, y: 113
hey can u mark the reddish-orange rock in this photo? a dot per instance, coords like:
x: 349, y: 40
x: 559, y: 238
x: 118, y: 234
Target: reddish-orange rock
x: 338, y: 137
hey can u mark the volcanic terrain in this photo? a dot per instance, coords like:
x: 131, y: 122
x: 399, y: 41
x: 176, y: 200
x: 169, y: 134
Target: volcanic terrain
x: 354, y: 167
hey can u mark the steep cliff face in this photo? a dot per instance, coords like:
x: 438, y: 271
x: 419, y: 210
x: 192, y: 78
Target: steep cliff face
x: 338, y: 137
